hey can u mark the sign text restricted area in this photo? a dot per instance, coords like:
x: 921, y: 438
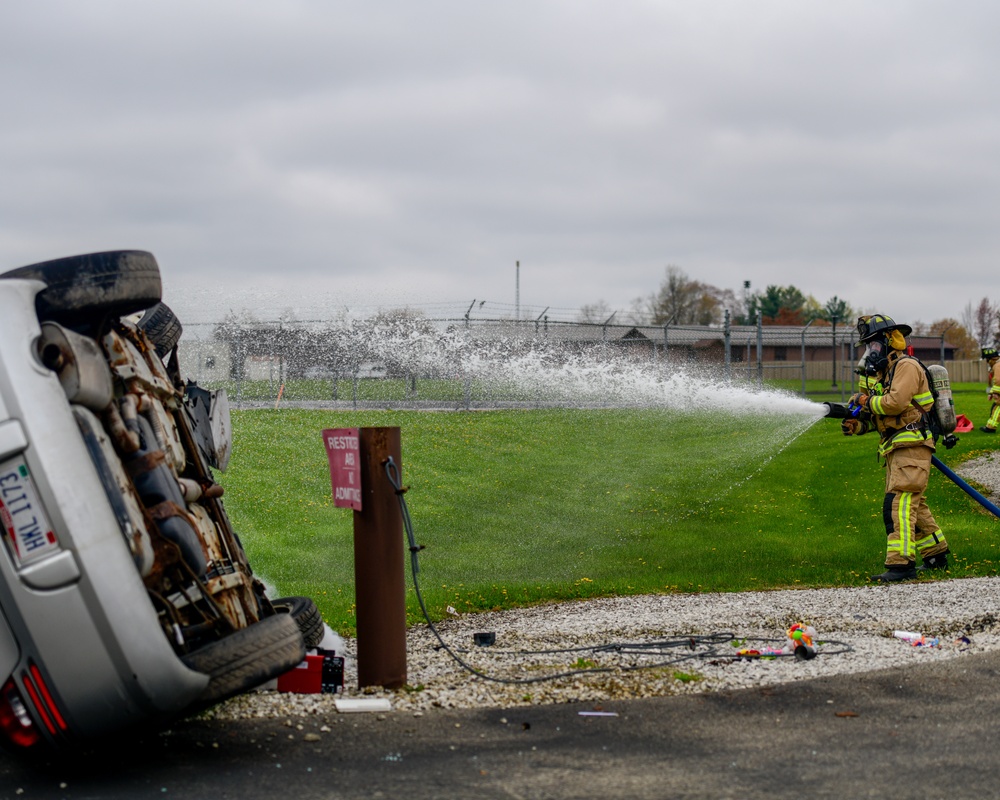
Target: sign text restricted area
x: 342, y: 450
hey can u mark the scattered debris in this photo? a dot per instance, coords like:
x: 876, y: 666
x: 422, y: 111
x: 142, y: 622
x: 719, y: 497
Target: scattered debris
x: 916, y: 639
x: 348, y: 705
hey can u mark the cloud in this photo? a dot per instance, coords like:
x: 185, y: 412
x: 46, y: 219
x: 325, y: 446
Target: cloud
x: 419, y: 150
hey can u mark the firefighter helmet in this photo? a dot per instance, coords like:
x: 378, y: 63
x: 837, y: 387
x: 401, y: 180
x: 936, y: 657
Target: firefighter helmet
x: 871, y: 326
x: 990, y: 353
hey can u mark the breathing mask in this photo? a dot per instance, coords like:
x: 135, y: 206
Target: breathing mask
x: 876, y: 357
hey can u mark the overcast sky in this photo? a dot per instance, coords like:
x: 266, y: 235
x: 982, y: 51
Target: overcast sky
x: 318, y: 154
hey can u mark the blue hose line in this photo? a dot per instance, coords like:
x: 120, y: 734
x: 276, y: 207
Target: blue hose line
x: 966, y: 488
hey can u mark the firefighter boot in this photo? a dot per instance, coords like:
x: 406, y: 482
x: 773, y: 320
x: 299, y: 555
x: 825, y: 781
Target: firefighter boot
x: 895, y: 573
x: 984, y: 429
x: 940, y: 561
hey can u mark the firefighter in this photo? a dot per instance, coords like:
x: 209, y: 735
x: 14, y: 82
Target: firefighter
x: 992, y: 358
x: 898, y: 413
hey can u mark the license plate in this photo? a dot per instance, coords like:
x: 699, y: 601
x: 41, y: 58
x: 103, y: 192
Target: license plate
x: 26, y: 529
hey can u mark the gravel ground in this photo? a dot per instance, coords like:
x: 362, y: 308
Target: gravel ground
x: 666, y: 635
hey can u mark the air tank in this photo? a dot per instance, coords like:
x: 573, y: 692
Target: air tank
x: 944, y: 404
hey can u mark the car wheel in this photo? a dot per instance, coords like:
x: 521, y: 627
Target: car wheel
x: 162, y: 327
x: 77, y: 288
x: 303, y: 610
x: 248, y: 657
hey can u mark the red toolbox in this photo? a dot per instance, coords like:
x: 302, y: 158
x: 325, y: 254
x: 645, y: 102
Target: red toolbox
x: 306, y: 678
x: 323, y: 672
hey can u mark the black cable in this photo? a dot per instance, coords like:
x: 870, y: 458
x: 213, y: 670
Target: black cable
x: 712, y: 641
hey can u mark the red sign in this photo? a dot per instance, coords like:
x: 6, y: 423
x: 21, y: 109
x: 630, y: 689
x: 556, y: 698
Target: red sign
x: 343, y: 450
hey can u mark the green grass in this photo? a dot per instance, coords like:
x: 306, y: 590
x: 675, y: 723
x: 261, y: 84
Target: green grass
x: 521, y: 507
x: 373, y: 390
x: 365, y: 390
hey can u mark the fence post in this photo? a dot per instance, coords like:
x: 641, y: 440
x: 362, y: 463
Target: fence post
x: 804, y: 355
x: 240, y: 366
x: 760, y: 349
x: 853, y: 373
x: 844, y: 362
x: 727, y: 344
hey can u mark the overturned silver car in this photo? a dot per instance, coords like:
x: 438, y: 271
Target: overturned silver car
x: 126, y: 597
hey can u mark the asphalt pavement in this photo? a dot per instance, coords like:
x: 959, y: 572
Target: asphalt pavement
x: 925, y: 732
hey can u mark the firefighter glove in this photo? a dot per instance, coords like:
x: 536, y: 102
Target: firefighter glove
x: 850, y: 427
x: 858, y: 399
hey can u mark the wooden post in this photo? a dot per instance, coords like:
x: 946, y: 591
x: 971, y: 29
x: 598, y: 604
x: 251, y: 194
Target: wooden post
x: 380, y: 583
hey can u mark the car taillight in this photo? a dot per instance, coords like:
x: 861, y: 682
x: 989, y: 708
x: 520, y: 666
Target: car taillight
x: 46, y: 705
x: 15, y: 721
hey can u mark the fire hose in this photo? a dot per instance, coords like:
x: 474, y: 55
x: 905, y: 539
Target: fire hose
x: 842, y: 411
x: 965, y: 487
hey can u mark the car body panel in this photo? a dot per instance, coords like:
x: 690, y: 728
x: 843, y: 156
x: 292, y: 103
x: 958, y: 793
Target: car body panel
x: 82, y: 614
x: 10, y: 653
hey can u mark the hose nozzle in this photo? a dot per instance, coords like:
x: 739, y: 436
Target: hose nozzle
x: 837, y: 411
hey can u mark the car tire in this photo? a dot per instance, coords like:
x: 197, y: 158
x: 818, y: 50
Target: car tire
x: 247, y: 658
x: 162, y: 327
x: 78, y: 288
x: 306, y: 615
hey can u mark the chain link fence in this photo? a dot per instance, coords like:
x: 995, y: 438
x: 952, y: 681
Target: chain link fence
x: 403, y: 361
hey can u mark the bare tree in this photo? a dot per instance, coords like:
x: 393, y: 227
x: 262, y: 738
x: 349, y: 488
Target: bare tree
x: 968, y: 319
x: 986, y: 322
x: 595, y: 312
x: 639, y: 312
x: 957, y: 335
x: 682, y: 301
x: 728, y: 301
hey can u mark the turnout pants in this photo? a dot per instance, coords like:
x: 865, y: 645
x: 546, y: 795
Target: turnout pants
x: 994, y: 419
x: 910, y: 528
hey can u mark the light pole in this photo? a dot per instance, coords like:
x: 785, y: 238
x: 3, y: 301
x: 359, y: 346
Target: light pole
x: 942, y: 340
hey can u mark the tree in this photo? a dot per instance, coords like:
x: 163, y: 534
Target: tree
x: 838, y: 309
x: 682, y: 301
x: 968, y: 320
x: 639, y: 313
x: 778, y: 305
x: 986, y: 322
x: 595, y: 313
x: 956, y: 334
x: 812, y: 311
x: 728, y: 301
